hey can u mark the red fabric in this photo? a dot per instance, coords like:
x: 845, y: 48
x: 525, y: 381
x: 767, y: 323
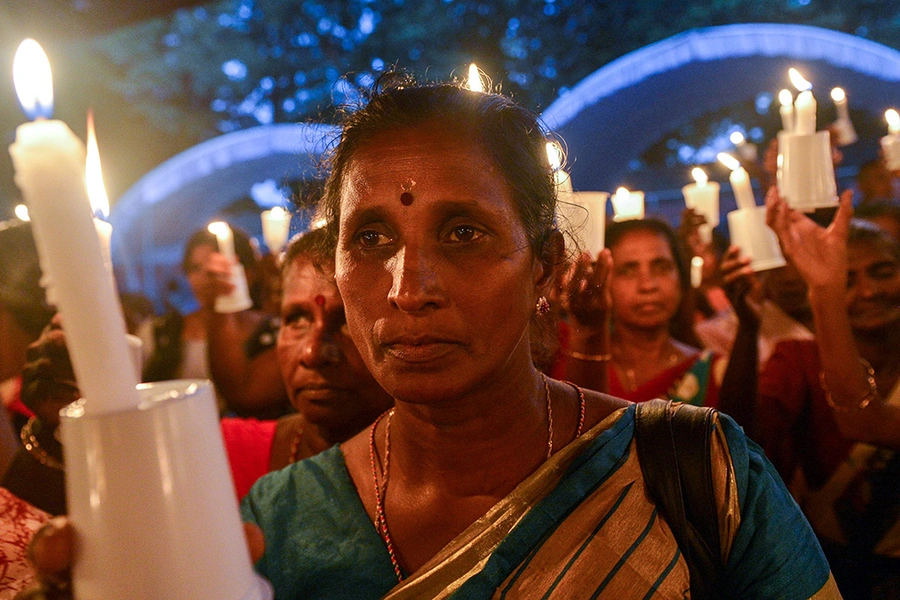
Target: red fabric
x: 18, y: 522
x: 14, y: 404
x: 660, y: 385
x: 248, y: 444
x: 796, y: 427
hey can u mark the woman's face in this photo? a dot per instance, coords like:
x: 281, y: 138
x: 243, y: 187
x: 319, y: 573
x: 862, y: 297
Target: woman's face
x: 437, y: 274
x: 324, y: 375
x: 873, y: 287
x: 644, y: 286
x: 196, y: 270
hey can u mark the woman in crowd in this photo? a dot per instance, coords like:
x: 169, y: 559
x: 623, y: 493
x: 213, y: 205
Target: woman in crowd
x: 329, y: 386
x: 487, y: 477
x: 223, y: 347
x: 642, y: 359
x: 829, y: 408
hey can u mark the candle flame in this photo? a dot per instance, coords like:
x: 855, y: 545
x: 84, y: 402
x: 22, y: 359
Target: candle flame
x: 798, y: 80
x: 475, y: 83
x: 785, y: 97
x: 554, y: 155
x: 33, y: 80
x: 893, y: 118
x: 218, y: 228
x: 838, y: 94
x: 729, y: 161
x: 22, y: 212
x: 737, y: 138
x: 699, y: 176
x: 277, y: 211
x: 622, y: 192
x: 93, y: 173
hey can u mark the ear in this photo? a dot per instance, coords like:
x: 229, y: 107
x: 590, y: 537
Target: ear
x: 551, y: 259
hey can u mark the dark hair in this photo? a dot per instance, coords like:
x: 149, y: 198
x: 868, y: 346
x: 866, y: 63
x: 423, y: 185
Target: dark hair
x: 21, y: 293
x: 867, y: 232
x: 243, y: 248
x: 511, y: 135
x: 682, y: 325
x: 312, y: 246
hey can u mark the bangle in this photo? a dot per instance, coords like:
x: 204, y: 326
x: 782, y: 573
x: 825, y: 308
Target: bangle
x: 591, y: 357
x: 864, y: 401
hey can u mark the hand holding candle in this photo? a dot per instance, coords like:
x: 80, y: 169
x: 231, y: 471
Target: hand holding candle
x: 703, y: 197
x: 276, y: 224
x: 627, y: 205
x: 843, y: 126
x: 239, y: 298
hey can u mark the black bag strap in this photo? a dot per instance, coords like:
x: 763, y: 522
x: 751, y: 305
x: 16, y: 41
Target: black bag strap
x: 673, y: 444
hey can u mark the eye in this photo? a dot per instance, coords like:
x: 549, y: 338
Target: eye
x: 296, y: 319
x: 884, y: 271
x: 464, y: 233
x: 371, y: 238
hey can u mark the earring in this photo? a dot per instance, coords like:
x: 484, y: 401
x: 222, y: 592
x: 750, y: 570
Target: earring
x: 542, y: 307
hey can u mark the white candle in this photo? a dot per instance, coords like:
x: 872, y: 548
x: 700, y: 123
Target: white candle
x: 787, y: 110
x: 562, y: 179
x: 627, y: 205
x: 22, y: 212
x: 49, y: 164
x: 840, y: 103
x: 225, y: 238
x: 740, y: 181
x: 805, y: 108
x: 276, y: 224
x: 93, y: 177
x: 703, y: 197
x: 696, y: 271
x: 893, y: 120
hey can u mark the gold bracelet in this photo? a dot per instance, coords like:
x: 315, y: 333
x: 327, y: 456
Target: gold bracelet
x: 591, y: 357
x: 866, y: 399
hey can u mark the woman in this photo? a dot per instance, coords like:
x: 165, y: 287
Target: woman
x: 224, y: 347
x: 486, y: 476
x: 829, y: 408
x: 641, y: 359
x: 329, y: 386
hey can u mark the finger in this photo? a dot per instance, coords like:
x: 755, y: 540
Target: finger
x: 841, y: 223
x: 50, y: 550
x: 256, y: 541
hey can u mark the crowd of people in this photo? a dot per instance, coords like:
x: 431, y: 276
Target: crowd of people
x: 447, y: 398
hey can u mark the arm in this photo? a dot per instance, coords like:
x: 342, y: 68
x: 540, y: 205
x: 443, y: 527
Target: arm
x: 820, y: 255
x: 737, y: 395
x: 586, y: 297
x: 251, y: 386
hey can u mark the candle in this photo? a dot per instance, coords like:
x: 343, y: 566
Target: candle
x: 21, y: 212
x: 787, y: 110
x: 475, y: 83
x: 696, y: 271
x: 562, y: 179
x: 805, y: 108
x: 740, y: 181
x: 703, y: 197
x: 840, y: 103
x: 627, y: 205
x: 225, y: 238
x: 49, y: 165
x: 893, y: 120
x: 93, y: 177
x: 275, y: 226
x: 798, y: 80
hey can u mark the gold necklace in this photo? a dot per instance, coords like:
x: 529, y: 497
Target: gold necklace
x: 29, y: 440
x: 381, y: 524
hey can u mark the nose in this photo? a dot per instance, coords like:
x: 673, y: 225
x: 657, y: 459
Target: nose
x: 318, y: 348
x: 416, y: 286
x: 647, y: 281
x: 865, y: 288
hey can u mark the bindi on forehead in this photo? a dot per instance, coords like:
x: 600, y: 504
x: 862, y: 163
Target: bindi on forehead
x: 320, y: 300
x: 406, y: 198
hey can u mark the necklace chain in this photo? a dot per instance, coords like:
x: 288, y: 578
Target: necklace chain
x: 29, y: 440
x: 381, y: 524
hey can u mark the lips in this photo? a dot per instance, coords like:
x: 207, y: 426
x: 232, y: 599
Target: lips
x: 320, y: 392
x: 419, y: 349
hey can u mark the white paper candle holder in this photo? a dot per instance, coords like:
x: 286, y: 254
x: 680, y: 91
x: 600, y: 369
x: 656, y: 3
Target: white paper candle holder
x: 152, y: 501
x: 806, y: 172
x: 756, y: 240
x: 585, y: 218
x: 239, y: 298
x: 890, y: 147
